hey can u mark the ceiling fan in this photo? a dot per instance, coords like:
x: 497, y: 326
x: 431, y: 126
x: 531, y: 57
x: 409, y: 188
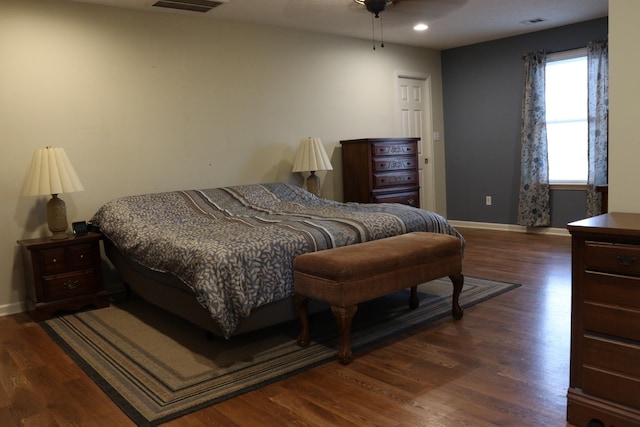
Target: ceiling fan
x: 430, y: 8
x: 375, y: 6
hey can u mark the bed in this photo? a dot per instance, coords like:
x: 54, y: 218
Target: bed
x: 222, y: 258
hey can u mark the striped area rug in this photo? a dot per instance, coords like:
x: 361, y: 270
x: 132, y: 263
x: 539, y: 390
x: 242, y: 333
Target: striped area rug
x: 157, y: 367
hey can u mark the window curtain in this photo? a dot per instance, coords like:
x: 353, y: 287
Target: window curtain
x: 533, y: 204
x: 598, y: 89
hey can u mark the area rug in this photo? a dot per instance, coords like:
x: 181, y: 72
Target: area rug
x: 157, y: 367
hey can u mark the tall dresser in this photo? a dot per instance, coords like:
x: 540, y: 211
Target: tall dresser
x: 381, y: 170
x: 604, y: 380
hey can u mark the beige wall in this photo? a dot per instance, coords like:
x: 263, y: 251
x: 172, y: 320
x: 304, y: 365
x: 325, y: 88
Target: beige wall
x: 624, y: 99
x: 146, y: 102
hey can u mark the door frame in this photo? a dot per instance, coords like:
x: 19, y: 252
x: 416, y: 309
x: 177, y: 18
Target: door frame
x: 426, y: 150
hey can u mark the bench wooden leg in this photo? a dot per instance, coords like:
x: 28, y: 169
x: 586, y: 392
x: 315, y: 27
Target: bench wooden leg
x: 458, y: 282
x: 343, y: 316
x: 414, y: 302
x: 300, y: 302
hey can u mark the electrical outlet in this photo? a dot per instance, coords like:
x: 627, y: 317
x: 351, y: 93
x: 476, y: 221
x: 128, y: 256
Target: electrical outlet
x: 487, y: 200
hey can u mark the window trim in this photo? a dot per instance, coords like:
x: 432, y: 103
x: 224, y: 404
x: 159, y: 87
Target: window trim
x: 567, y: 54
x: 568, y: 185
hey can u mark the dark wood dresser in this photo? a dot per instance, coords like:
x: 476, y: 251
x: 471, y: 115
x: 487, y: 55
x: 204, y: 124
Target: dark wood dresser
x: 381, y: 170
x: 604, y: 383
x: 63, y: 275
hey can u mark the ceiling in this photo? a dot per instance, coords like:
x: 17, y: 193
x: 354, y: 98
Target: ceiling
x: 452, y: 23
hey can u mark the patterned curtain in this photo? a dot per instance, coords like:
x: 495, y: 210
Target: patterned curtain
x: 598, y: 87
x: 533, y: 204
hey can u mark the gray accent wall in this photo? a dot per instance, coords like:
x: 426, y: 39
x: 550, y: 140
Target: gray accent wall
x: 482, y: 95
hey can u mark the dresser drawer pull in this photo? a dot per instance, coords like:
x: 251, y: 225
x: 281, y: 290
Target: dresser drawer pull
x: 71, y: 284
x: 626, y: 259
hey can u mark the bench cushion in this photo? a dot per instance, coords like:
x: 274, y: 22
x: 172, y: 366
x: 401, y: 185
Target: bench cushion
x: 352, y: 274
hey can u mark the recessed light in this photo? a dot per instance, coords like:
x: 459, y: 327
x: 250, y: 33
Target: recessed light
x: 420, y: 27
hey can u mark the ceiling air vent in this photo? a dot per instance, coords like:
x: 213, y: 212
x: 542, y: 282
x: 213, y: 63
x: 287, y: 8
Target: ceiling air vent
x: 190, y: 5
x: 533, y: 21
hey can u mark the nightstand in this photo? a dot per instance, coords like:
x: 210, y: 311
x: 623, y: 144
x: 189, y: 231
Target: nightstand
x: 63, y: 275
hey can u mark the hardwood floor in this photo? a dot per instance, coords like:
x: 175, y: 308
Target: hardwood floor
x: 506, y: 363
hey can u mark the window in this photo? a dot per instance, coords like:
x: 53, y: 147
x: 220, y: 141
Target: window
x: 566, y: 105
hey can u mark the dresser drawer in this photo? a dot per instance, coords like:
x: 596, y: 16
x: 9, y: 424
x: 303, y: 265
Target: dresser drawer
x: 54, y: 261
x: 613, y: 320
x: 389, y: 149
x: 395, y: 179
x: 611, y: 355
x: 410, y: 198
x: 613, y: 258
x: 70, y: 285
x: 611, y: 289
x: 394, y: 163
x: 621, y: 389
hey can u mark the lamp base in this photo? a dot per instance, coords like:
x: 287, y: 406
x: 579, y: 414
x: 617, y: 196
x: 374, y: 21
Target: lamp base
x: 57, y: 217
x: 313, y: 184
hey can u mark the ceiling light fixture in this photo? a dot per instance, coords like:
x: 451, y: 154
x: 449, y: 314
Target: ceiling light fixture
x: 420, y: 27
x: 375, y: 7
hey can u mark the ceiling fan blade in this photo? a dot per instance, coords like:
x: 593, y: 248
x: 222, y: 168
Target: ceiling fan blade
x: 427, y: 8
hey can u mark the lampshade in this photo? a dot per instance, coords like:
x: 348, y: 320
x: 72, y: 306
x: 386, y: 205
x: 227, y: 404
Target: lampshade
x: 311, y: 157
x: 51, y: 173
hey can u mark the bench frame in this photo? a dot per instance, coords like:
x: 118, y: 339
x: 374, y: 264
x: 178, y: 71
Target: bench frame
x: 442, y: 265
x: 344, y: 316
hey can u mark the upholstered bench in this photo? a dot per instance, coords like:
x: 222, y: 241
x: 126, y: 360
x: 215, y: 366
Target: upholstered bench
x: 346, y: 276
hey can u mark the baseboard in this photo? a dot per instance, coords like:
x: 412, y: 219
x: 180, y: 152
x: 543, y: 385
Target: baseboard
x: 13, y: 308
x: 115, y: 290
x: 510, y: 227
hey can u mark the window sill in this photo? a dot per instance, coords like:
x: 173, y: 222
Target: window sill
x: 571, y: 186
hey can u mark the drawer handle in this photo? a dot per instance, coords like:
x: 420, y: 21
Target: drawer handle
x: 626, y: 259
x: 71, y: 284
x: 55, y: 260
x: 410, y: 202
x: 81, y: 256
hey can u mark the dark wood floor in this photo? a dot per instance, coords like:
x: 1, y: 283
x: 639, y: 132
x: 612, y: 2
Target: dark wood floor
x: 506, y: 363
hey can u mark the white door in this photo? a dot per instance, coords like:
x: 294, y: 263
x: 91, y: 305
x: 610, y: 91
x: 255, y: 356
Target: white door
x: 414, y: 120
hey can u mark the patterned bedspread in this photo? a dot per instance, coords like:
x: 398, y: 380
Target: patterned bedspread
x: 234, y: 246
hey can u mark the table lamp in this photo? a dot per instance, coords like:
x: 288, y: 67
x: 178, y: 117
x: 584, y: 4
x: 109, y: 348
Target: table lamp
x: 51, y: 173
x: 312, y: 157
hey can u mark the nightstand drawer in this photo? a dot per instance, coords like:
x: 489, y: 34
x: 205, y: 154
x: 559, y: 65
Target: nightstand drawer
x: 395, y: 179
x: 393, y: 163
x: 53, y: 261
x: 613, y: 258
x: 388, y: 149
x: 70, y: 285
x: 81, y: 257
